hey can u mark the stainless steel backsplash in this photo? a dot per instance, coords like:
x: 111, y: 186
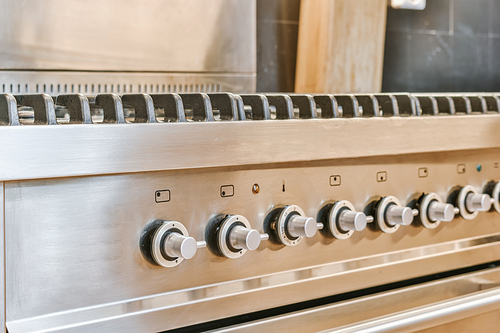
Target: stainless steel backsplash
x: 192, y: 45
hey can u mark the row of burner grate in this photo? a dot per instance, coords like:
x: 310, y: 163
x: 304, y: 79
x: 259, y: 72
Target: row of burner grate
x: 172, y: 107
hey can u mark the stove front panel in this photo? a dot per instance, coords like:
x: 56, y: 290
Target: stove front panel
x: 73, y: 257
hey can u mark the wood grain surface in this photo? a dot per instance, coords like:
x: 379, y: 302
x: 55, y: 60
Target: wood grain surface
x: 341, y: 46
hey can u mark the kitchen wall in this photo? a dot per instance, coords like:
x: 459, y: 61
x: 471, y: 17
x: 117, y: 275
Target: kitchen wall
x: 452, y: 45
x: 277, y: 31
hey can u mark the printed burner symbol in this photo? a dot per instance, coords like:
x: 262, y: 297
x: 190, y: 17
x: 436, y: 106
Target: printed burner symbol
x: 227, y: 191
x: 381, y: 176
x: 461, y: 168
x: 423, y: 172
x: 335, y: 180
x: 162, y: 196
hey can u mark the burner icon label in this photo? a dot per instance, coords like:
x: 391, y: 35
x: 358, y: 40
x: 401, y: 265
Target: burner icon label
x: 162, y: 196
x: 227, y: 191
x: 335, y: 180
x: 381, y: 176
x: 423, y: 172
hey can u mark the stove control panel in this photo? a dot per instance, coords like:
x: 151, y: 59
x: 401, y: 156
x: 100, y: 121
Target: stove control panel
x: 167, y: 243
x: 313, y: 214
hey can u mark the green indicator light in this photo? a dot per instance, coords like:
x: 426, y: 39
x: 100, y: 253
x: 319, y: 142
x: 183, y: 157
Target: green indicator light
x: 479, y: 167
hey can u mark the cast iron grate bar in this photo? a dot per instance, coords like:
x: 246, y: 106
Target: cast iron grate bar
x: 42, y: 109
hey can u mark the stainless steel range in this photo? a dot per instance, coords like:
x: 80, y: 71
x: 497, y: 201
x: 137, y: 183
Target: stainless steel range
x: 146, y: 213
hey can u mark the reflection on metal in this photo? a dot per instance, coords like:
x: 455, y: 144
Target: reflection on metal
x: 93, y: 47
x: 430, y: 315
x: 124, y: 311
x: 2, y: 255
x: 408, y: 4
x: 436, y: 303
x: 93, y: 83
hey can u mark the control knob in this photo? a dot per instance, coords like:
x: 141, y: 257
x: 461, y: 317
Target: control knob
x: 235, y: 236
x: 493, y: 189
x: 291, y: 225
x: 167, y: 243
x: 433, y: 210
x: 439, y: 211
x: 390, y: 214
x: 470, y: 202
x: 178, y: 245
x: 398, y: 215
x: 300, y: 226
x: 478, y: 202
x: 343, y: 219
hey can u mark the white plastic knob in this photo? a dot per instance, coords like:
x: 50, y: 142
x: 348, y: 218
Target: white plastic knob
x: 349, y: 220
x: 399, y: 215
x: 441, y: 211
x: 177, y: 245
x: 300, y: 226
x: 244, y: 238
x: 478, y: 202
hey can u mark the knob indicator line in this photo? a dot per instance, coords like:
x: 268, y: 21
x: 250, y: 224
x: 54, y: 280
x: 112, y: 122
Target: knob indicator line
x: 292, y: 225
x: 433, y: 210
x: 171, y: 244
x: 470, y: 202
x: 235, y: 237
x: 343, y: 220
x: 391, y: 214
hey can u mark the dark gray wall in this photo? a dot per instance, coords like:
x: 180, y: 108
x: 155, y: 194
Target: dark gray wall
x: 452, y: 45
x: 277, y: 31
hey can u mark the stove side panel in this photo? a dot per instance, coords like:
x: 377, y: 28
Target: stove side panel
x: 2, y: 256
x: 217, y: 36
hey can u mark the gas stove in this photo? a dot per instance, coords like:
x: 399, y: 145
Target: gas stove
x: 234, y: 212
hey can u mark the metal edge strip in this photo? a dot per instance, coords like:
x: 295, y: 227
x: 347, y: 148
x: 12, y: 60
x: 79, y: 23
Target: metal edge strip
x: 96, y: 82
x: 338, y: 315
x: 429, y: 315
x: 2, y: 258
x: 329, y: 275
x: 34, y: 152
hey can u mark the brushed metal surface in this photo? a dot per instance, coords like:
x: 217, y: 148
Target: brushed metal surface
x: 330, y: 318
x: 430, y: 315
x: 74, y: 213
x: 93, y: 83
x: 82, y: 235
x: 115, y: 35
x: 114, y: 148
x: 486, y: 322
x: 157, y: 312
x: 2, y: 257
